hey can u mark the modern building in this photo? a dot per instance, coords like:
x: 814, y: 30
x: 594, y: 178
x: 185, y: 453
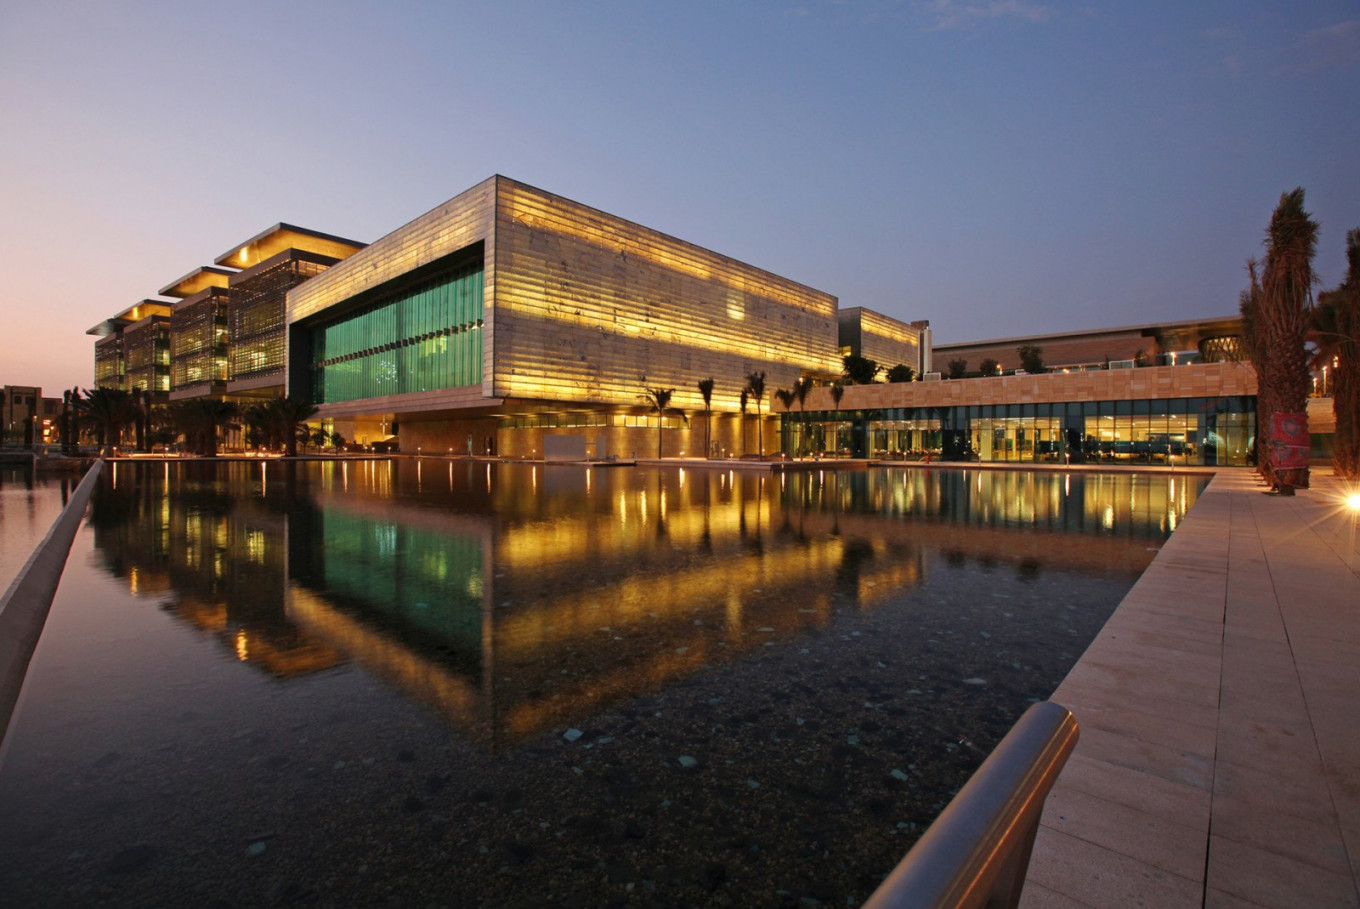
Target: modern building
x: 199, y: 341
x: 226, y: 335
x: 1156, y: 344
x: 1196, y: 414
x: 133, y: 350
x: 270, y: 264
x: 885, y: 340
x: 514, y: 321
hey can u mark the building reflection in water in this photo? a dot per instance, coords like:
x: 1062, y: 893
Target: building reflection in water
x: 517, y: 598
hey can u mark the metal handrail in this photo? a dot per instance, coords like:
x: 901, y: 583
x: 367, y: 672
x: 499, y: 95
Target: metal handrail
x: 977, y: 852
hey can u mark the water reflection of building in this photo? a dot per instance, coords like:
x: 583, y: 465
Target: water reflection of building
x: 211, y: 543
x: 521, y: 611
x: 517, y: 598
x: 513, y: 610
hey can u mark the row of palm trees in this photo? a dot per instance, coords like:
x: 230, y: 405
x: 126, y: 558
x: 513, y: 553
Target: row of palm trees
x: 659, y: 401
x: 275, y: 424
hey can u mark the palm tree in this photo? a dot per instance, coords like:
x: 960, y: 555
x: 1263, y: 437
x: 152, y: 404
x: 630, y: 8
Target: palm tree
x: 785, y: 398
x: 1337, y: 335
x: 800, y: 391
x: 659, y: 399
x: 1286, y: 312
x: 109, y: 410
x: 200, y: 419
x: 1253, y: 341
x: 706, y: 390
x: 286, y: 415
x: 755, y: 382
x: 319, y: 437
x: 837, y: 392
x: 745, y: 398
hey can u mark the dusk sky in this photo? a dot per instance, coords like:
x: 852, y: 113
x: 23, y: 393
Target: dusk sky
x: 999, y: 167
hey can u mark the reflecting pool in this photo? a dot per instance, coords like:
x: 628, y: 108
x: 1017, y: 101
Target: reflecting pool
x: 457, y: 683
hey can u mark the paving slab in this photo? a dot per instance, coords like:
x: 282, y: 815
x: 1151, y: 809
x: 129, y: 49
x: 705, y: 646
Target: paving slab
x: 1219, y: 759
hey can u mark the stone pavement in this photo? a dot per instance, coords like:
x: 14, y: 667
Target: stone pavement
x: 1219, y: 759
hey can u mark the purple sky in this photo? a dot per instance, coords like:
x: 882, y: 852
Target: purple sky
x: 999, y: 167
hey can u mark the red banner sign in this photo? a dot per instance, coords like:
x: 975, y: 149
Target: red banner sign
x: 1289, y: 441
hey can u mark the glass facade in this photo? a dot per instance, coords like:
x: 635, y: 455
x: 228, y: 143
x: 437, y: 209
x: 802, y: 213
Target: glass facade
x: 146, y: 352
x: 199, y: 341
x: 423, y: 338
x: 258, y: 317
x: 1209, y: 431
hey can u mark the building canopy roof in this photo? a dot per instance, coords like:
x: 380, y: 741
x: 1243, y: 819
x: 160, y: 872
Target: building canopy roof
x: 134, y: 313
x: 199, y: 279
x: 274, y: 240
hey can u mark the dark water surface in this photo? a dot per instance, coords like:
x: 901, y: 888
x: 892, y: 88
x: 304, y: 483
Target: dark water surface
x: 448, y: 683
x: 29, y: 503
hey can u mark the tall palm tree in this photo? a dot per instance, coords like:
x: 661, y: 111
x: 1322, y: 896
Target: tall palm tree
x: 837, y: 392
x: 755, y: 383
x: 706, y: 390
x: 1337, y: 335
x: 745, y: 399
x: 1286, y: 312
x: 109, y: 410
x: 1254, y: 343
x: 800, y: 391
x: 785, y: 398
x: 659, y: 399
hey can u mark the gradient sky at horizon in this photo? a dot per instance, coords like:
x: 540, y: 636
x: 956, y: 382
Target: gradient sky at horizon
x: 999, y: 167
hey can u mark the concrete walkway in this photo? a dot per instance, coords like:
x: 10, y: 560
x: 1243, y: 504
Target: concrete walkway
x: 1219, y: 760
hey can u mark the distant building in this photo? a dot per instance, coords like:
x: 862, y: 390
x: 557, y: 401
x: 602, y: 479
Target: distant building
x: 885, y: 340
x: 1155, y: 344
x: 133, y: 350
x: 27, y: 418
x: 1172, y: 392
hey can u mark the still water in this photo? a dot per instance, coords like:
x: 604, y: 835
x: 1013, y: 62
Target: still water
x: 467, y: 684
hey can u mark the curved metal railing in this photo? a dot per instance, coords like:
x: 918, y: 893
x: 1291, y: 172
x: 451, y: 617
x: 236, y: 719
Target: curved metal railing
x: 977, y: 851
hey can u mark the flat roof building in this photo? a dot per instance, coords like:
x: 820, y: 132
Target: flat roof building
x: 270, y: 264
x: 508, y: 314
x: 199, y: 335
x: 133, y: 350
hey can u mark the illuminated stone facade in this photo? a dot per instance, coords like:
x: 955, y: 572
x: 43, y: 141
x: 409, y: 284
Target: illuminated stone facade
x: 581, y: 312
x: 886, y: 341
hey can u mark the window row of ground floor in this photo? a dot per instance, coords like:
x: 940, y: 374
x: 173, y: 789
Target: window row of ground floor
x: 1207, y: 431
x: 1215, y: 431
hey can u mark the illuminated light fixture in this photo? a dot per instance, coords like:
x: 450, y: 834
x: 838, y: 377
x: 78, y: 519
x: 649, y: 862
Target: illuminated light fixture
x: 1353, y: 501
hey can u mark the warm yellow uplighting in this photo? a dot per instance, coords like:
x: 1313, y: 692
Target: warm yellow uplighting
x: 1353, y: 501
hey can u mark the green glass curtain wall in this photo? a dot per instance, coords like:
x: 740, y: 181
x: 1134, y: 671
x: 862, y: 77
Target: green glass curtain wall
x: 424, y: 338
